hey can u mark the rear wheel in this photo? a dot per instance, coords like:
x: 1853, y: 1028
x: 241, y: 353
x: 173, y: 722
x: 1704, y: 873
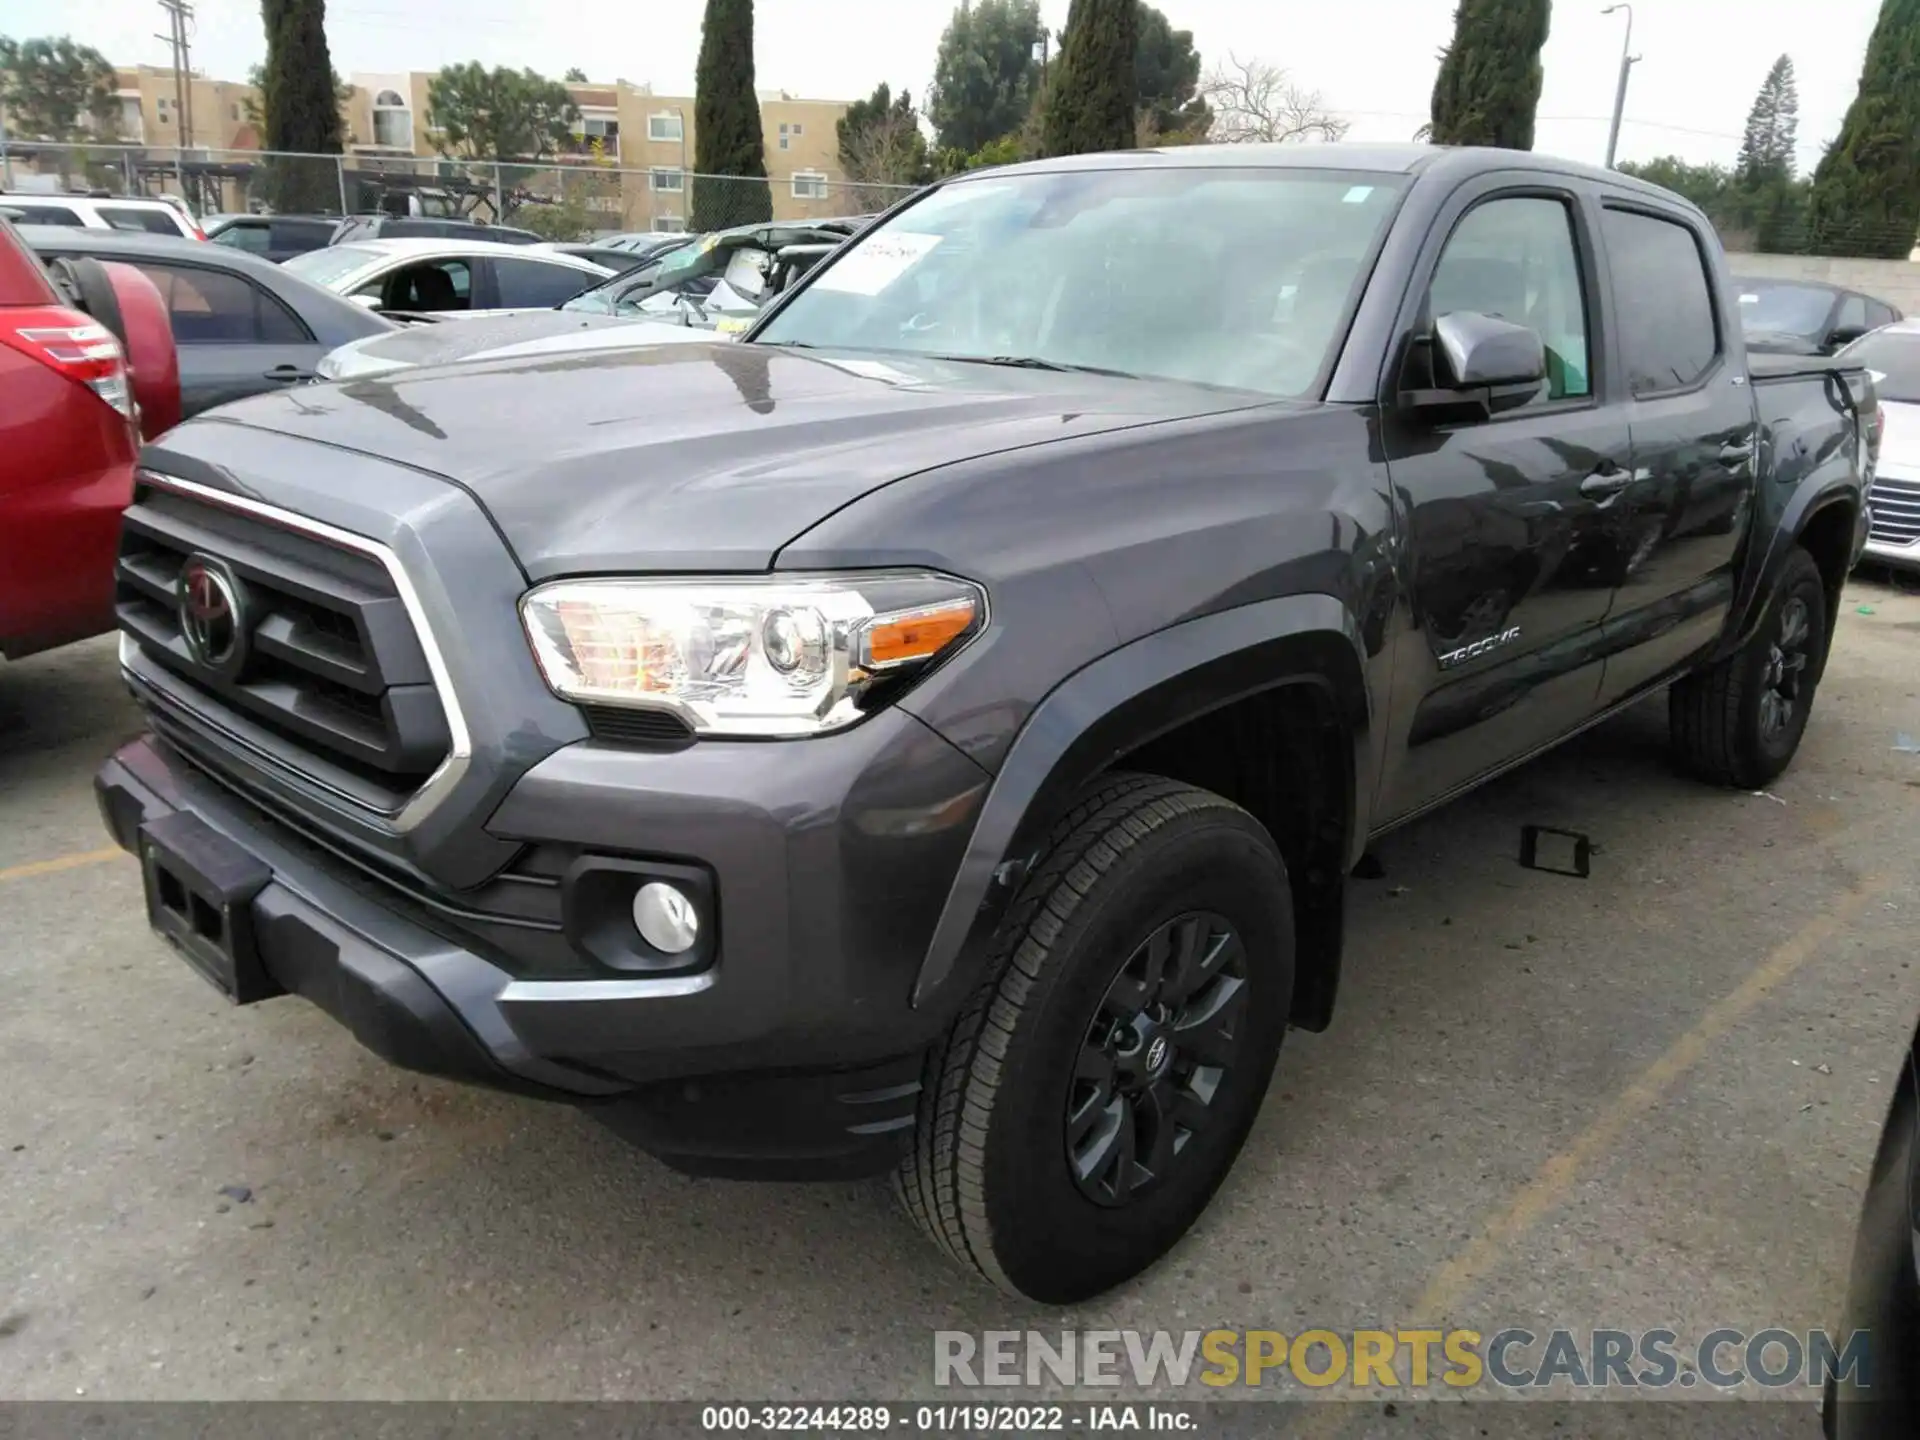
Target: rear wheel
x: 1093, y: 1095
x: 1740, y: 721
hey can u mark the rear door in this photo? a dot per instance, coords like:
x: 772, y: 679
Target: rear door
x: 234, y: 338
x: 1501, y: 528
x: 1677, y: 528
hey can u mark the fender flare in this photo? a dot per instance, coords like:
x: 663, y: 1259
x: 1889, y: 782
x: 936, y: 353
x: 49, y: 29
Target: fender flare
x: 1810, y: 498
x: 1119, y: 702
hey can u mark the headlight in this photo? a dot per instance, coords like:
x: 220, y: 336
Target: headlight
x: 780, y: 655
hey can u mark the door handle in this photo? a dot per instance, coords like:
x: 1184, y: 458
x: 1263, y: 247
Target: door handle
x: 288, y: 372
x: 1603, y: 483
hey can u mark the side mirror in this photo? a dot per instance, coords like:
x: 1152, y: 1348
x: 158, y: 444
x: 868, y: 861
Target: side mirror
x: 1845, y: 335
x: 1482, y: 363
x: 1482, y: 350
x: 367, y: 299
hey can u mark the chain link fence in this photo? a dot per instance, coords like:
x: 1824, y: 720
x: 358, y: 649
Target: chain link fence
x: 573, y: 199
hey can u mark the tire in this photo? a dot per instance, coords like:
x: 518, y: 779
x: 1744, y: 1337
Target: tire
x: 989, y: 1178
x: 1740, y: 721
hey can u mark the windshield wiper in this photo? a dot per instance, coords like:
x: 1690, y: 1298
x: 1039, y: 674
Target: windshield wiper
x: 1034, y: 362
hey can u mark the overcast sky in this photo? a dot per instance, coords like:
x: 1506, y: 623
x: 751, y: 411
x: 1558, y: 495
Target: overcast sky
x: 1373, y: 60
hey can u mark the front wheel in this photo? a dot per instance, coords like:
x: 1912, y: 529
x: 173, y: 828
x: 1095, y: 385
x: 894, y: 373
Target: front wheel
x: 1740, y: 721
x: 1091, y: 1098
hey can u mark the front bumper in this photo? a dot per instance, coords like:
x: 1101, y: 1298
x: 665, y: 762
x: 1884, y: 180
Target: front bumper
x: 795, y: 1052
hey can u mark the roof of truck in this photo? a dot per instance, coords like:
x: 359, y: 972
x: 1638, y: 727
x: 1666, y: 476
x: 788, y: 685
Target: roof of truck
x: 1393, y: 159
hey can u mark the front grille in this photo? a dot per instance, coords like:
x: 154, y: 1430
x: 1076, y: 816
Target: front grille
x: 328, y: 679
x: 1896, y: 511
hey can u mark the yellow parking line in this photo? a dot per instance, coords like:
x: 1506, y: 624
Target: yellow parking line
x: 1552, y: 1181
x: 63, y: 862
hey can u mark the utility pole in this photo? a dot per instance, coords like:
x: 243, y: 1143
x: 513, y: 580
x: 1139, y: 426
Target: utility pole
x: 1627, y: 61
x: 179, y: 13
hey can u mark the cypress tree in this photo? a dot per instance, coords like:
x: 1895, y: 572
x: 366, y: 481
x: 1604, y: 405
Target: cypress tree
x: 1866, y: 192
x: 302, y: 110
x: 1489, y: 82
x: 728, y: 140
x: 1773, y: 129
x: 1090, y: 100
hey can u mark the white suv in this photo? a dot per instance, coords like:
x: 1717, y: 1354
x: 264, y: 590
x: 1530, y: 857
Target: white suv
x: 101, y: 212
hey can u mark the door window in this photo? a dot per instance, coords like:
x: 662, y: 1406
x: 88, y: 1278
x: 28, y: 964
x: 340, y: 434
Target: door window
x: 1515, y: 258
x: 427, y: 286
x: 534, y: 284
x: 1668, y: 336
x: 210, y: 307
x: 153, y: 222
x: 251, y: 238
x: 43, y: 214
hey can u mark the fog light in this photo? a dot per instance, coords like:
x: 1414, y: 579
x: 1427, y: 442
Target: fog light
x: 665, y: 918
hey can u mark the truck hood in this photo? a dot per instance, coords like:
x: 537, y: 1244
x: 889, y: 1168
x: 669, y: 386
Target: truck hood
x: 527, y: 332
x: 689, y: 457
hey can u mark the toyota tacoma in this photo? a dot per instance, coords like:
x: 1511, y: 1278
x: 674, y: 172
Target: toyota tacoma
x: 932, y: 734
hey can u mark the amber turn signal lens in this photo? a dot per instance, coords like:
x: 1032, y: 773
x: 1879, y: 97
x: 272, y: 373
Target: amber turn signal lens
x: 916, y: 634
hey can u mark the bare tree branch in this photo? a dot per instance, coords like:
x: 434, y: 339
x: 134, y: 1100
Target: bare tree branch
x: 883, y: 155
x: 1255, y: 103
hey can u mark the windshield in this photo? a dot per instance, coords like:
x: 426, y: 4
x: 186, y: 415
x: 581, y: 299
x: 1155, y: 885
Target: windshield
x: 1894, y: 358
x: 603, y: 298
x: 1782, y: 309
x: 1232, y: 277
x: 330, y: 266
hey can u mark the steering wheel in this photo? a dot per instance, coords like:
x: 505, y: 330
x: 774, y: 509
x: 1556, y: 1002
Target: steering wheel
x: 918, y: 324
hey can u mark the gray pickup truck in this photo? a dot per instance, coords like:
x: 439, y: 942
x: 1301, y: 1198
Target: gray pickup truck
x: 933, y: 734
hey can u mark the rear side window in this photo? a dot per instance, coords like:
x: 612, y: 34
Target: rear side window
x: 44, y: 214
x: 301, y: 234
x: 1668, y: 337
x: 251, y: 238
x: 1878, y: 314
x: 153, y: 222
x: 210, y: 307
x: 530, y: 283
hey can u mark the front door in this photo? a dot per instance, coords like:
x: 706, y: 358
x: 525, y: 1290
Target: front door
x: 1505, y: 515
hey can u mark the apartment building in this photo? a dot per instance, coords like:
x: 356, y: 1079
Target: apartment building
x: 648, y: 140
x: 151, y: 112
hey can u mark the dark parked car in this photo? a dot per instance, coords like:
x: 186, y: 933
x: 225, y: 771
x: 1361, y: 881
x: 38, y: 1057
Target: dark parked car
x: 1882, y: 1401
x: 931, y: 733
x: 1806, y: 317
x: 274, y: 237
x: 425, y: 227
x: 243, y: 325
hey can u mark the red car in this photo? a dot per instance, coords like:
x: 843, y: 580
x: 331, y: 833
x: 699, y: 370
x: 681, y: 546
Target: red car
x: 74, y: 413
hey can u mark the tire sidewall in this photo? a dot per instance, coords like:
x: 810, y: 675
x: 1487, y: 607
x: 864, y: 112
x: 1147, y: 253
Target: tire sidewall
x: 1050, y: 1241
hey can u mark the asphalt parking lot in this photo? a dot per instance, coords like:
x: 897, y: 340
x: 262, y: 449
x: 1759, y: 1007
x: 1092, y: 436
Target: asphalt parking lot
x: 1644, y: 1098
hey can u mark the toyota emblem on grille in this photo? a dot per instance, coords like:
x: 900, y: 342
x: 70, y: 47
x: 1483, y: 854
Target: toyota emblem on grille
x: 211, y: 621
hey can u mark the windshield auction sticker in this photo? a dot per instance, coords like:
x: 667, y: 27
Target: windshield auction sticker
x: 877, y: 262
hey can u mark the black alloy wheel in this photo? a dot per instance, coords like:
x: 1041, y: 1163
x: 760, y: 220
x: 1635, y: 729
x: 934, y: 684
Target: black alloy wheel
x: 1160, y: 1042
